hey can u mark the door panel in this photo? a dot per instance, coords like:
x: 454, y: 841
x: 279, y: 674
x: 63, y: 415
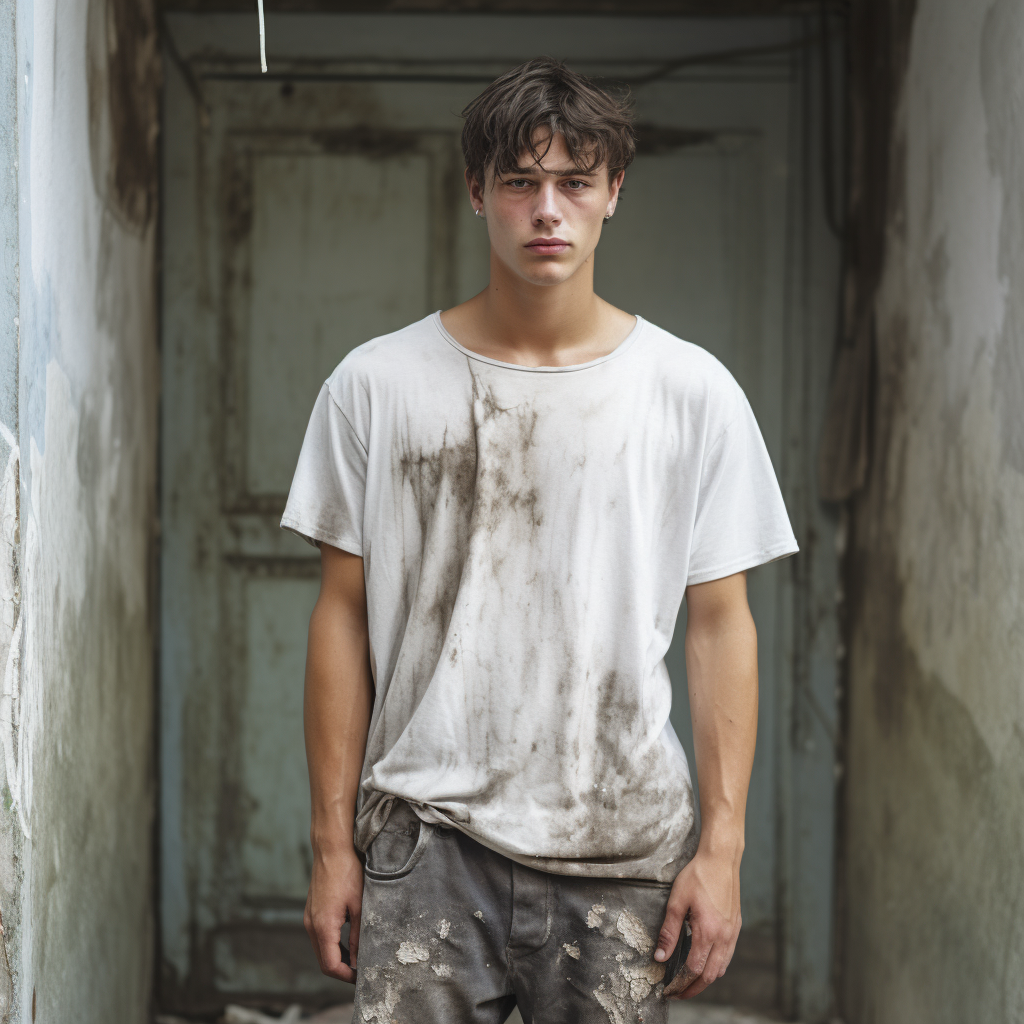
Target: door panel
x: 324, y: 226
x: 275, y: 856
x: 304, y: 216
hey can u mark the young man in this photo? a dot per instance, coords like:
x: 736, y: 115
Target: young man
x: 511, y: 499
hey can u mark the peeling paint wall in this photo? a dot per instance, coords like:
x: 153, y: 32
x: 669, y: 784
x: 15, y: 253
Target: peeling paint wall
x: 935, y: 573
x: 77, y: 510
x: 10, y: 831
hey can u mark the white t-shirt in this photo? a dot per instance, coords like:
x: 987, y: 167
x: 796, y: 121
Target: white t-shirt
x: 527, y: 534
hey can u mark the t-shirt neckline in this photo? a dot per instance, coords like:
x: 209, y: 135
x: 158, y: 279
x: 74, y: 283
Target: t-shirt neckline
x: 470, y: 354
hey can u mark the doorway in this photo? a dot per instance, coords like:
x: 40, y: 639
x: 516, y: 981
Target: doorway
x: 354, y: 135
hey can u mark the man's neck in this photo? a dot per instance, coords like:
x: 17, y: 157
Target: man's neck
x: 516, y: 321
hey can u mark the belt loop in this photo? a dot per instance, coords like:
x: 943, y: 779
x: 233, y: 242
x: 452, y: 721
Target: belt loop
x: 380, y: 815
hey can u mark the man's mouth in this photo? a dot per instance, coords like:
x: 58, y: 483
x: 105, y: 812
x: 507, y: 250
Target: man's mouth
x: 547, y: 246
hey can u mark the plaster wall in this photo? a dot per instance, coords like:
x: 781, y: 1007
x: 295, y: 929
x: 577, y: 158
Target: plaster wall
x: 78, y: 439
x: 935, y: 575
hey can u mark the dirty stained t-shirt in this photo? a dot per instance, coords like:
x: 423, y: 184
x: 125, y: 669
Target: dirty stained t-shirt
x: 527, y: 536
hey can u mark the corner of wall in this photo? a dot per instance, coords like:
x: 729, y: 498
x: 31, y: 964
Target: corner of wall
x: 79, y: 88
x: 934, y: 813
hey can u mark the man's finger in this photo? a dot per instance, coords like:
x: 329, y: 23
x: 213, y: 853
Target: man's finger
x: 713, y: 970
x: 718, y: 961
x: 326, y: 936
x: 692, y: 970
x: 675, y: 912
x: 330, y: 955
x: 695, y: 988
x: 680, y: 983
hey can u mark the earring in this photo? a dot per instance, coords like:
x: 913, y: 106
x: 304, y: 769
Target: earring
x: 608, y: 218
x: 480, y: 212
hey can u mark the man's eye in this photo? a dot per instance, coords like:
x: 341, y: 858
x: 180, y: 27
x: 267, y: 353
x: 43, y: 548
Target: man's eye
x: 518, y: 182
x: 576, y: 185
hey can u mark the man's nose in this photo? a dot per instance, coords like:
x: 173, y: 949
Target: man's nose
x: 547, y: 210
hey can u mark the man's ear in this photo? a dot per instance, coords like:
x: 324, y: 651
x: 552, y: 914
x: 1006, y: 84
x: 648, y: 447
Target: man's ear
x: 476, y: 192
x: 613, y: 186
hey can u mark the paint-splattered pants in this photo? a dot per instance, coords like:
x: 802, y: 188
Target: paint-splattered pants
x: 454, y: 933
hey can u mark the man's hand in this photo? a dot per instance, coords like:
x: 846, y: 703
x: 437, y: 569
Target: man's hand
x: 721, y: 670
x: 707, y: 892
x: 335, y: 896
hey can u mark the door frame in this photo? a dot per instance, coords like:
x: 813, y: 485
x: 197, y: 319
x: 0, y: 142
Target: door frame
x: 201, y: 48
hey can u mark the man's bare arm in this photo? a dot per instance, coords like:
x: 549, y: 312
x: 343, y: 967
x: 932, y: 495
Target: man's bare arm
x: 721, y: 667
x: 338, y: 701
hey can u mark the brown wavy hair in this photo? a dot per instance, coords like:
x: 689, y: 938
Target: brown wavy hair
x: 544, y: 94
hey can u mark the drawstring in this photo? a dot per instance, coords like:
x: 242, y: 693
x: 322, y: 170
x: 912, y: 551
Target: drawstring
x: 263, y: 39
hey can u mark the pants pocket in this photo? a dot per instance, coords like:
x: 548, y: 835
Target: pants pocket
x: 398, y: 846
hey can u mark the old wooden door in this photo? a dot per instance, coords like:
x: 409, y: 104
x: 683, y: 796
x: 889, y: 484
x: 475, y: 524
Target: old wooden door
x: 310, y: 210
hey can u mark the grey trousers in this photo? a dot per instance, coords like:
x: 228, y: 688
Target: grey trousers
x: 454, y: 933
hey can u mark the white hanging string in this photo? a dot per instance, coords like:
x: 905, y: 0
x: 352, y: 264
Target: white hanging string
x: 263, y: 39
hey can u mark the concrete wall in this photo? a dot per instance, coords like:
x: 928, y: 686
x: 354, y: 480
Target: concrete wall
x: 934, y: 825
x: 78, y: 397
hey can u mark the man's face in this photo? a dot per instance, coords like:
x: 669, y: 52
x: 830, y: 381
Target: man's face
x: 544, y: 219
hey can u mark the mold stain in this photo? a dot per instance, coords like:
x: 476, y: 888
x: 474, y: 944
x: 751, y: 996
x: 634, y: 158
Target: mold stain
x: 123, y: 77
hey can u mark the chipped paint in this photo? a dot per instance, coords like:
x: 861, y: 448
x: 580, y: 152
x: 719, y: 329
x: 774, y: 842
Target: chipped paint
x: 382, y: 1012
x: 642, y: 978
x: 610, y: 1004
x: 412, y: 953
x: 443, y: 928
x: 442, y: 970
x: 634, y: 978
x: 633, y: 932
x: 627, y: 988
x: 12, y: 720
x: 572, y: 950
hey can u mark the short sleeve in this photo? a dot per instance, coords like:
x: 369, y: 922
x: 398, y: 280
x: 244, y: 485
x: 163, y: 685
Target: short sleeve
x: 325, y: 502
x: 741, y: 519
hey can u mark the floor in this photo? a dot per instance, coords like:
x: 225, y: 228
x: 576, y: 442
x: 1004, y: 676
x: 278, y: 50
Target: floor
x: 680, y: 1013
x: 686, y: 1013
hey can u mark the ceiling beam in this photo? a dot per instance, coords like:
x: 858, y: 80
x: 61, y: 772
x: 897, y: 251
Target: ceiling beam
x: 704, y: 8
